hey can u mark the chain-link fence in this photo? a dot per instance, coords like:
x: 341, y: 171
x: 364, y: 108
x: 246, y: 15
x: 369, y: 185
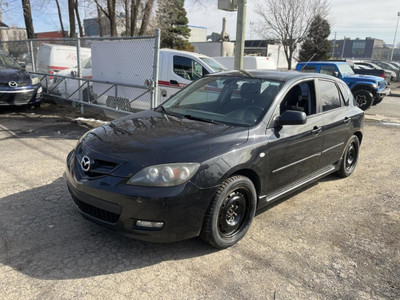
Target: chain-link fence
x: 114, y: 74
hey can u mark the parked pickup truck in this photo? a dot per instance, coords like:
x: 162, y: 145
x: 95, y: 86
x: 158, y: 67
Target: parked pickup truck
x: 367, y: 90
x: 364, y: 70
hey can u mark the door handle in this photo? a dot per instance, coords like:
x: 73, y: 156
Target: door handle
x: 346, y: 120
x: 316, y: 130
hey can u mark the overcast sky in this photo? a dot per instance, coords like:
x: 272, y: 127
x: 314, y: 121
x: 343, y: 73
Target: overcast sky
x: 351, y: 18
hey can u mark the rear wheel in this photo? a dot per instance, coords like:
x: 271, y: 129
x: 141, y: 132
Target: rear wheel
x: 350, y: 157
x: 230, y: 212
x: 363, y: 99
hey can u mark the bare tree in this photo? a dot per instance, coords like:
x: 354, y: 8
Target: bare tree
x: 60, y: 18
x: 26, y: 7
x: 288, y: 21
x: 148, y: 8
x: 135, y: 7
x: 109, y: 12
x: 71, y: 14
x: 78, y: 19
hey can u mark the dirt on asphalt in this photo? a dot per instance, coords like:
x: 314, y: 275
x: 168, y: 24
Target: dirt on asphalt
x: 338, y: 238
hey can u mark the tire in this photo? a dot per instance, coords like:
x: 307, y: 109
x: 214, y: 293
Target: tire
x: 350, y: 157
x: 364, y: 99
x: 87, y: 95
x: 230, y: 213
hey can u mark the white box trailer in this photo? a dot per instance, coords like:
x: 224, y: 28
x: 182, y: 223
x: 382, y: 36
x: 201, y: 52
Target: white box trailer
x: 131, y: 62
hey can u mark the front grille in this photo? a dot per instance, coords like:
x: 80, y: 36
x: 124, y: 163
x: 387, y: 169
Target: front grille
x: 15, y: 98
x: 99, y: 167
x: 97, y: 213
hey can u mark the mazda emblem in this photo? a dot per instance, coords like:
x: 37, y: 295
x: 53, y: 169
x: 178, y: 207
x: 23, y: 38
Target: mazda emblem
x: 85, y: 163
x: 13, y: 84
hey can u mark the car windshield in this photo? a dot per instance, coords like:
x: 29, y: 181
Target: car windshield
x: 7, y: 62
x: 235, y: 101
x: 345, y: 69
x: 216, y: 66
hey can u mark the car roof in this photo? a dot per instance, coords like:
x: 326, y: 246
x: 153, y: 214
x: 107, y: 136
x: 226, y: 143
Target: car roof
x: 324, y: 62
x: 272, y: 75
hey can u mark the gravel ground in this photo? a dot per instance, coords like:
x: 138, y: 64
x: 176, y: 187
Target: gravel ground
x: 338, y: 238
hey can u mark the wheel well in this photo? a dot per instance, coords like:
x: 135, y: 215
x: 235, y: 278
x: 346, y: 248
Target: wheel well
x: 359, y: 136
x: 252, y: 176
x: 362, y: 87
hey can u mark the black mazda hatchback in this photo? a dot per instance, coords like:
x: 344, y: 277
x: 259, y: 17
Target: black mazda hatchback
x: 205, y: 160
x: 17, y: 86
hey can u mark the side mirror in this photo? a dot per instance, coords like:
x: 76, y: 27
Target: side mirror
x: 336, y: 74
x: 291, y: 117
x: 73, y: 73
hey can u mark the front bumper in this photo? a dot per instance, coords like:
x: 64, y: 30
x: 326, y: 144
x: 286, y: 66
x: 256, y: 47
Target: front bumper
x: 386, y: 92
x: 21, y: 96
x: 106, y: 200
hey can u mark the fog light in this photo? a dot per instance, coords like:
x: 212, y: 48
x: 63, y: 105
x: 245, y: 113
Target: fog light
x: 148, y: 224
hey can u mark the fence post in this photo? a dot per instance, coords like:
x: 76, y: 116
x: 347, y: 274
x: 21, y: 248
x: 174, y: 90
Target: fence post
x: 32, y: 56
x: 154, y: 95
x: 78, y: 71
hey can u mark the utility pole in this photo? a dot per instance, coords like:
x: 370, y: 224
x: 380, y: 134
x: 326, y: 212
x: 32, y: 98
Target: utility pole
x: 395, y: 33
x: 344, y: 44
x: 333, y: 47
x: 240, y: 34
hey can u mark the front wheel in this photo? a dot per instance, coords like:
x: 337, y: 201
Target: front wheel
x: 363, y: 99
x: 230, y: 213
x: 350, y: 157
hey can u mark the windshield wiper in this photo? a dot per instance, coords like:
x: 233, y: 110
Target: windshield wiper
x: 190, y: 117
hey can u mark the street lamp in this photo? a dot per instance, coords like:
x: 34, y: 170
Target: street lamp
x: 395, y: 33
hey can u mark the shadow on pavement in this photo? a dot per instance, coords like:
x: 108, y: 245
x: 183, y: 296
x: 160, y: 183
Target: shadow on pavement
x: 42, y: 235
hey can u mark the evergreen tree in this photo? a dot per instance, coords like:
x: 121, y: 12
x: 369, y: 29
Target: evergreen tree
x: 172, y: 21
x: 316, y: 45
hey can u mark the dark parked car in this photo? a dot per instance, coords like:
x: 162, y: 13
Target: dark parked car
x: 204, y: 161
x: 17, y: 86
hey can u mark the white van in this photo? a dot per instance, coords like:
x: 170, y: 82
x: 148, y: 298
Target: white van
x: 53, y: 58
x: 129, y: 63
x: 249, y: 62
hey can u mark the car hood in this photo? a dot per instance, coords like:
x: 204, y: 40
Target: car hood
x: 365, y: 78
x: 7, y: 75
x: 150, y: 138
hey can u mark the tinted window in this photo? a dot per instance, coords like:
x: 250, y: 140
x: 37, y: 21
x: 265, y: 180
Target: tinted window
x: 188, y: 68
x: 328, y: 70
x: 329, y: 95
x: 301, y: 97
x: 346, y: 93
x: 309, y: 69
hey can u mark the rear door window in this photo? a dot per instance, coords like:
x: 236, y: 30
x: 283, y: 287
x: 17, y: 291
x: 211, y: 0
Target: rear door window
x: 329, y: 95
x: 328, y: 70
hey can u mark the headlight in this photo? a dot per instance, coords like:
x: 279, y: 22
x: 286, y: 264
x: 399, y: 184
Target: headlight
x: 164, y: 175
x: 35, y: 80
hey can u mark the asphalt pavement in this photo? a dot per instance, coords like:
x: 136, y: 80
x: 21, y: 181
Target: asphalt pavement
x: 338, y: 238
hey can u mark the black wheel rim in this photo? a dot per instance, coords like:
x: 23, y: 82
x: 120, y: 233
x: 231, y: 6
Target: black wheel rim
x: 351, y: 156
x: 233, y: 213
x: 361, y: 100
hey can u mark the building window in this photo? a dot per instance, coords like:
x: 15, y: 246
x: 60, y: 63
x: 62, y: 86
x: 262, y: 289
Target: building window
x: 358, y: 47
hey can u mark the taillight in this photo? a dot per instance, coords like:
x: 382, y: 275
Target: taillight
x: 383, y: 75
x: 51, y: 72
